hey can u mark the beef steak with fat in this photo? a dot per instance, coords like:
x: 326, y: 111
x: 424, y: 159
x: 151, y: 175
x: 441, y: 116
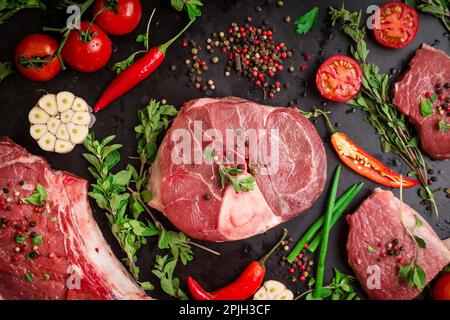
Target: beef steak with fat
x: 376, y: 223
x: 191, y: 195
x: 428, y: 68
x: 58, y: 253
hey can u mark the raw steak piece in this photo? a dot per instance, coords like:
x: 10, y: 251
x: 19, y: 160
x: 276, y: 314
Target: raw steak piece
x: 427, y: 68
x: 191, y: 196
x: 72, y: 260
x: 378, y: 220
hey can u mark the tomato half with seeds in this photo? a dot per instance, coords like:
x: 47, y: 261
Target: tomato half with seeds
x: 398, y: 25
x: 35, y: 57
x: 339, y: 78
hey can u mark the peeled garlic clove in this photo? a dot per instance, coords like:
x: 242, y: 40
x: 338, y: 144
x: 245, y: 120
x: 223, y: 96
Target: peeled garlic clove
x: 273, y: 288
x: 62, y: 146
x: 77, y: 133
x: 261, y: 294
x: 285, y: 295
x: 38, y: 116
x: 48, y: 104
x: 81, y: 118
x: 79, y: 105
x: 64, y: 100
x: 63, y: 133
x: 38, y: 130
x: 47, y: 142
x: 53, y: 124
x: 66, y: 116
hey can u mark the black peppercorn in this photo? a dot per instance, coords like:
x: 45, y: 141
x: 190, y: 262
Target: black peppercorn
x: 33, y: 255
x: 5, y: 190
x: 395, y: 242
x: 207, y: 196
x: 32, y: 224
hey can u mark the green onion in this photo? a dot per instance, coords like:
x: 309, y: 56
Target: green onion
x: 341, y: 204
x: 337, y: 213
x: 325, y: 235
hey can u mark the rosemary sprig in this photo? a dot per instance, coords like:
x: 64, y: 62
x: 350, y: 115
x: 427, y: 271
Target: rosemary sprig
x: 396, y: 134
x: 438, y: 8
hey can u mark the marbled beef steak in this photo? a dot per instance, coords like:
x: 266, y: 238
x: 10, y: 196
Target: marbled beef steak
x: 58, y: 253
x: 191, y: 195
x: 428, y: 68
x: 377, y: 222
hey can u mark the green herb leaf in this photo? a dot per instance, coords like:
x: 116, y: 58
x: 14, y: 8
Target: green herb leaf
x: 5, y: 69
x: 420, y: 242
x: 370, y: 249
x: 163, y: 270
x: 307, y: 22
x: 20, y: 239
x: 38, y: 240
x: 228, y: 174
x: 120, y: 66
x: 38, y: 197
x: 411, y: 3
x: 443, y: 125
x: 413, y: 274
x: 426, y: 107
x: 147, y: 286
x: 29, y: 276
x: 418, y: 222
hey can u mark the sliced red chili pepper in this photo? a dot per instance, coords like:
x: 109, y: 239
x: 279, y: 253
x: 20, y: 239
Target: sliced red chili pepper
x: 364, y: 163
x: 135, y: 73
x: 243, y: 288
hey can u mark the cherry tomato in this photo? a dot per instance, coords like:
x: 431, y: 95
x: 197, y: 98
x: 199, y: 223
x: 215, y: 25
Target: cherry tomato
x: 119, y: 22
x: 34, y: 57
x: 397, y: 26
x: 87, y: 49
x: 441, y: 290
x: 339, y: 78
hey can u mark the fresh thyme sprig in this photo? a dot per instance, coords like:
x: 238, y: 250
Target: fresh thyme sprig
x: 396, y: 134
x: 123, y: 195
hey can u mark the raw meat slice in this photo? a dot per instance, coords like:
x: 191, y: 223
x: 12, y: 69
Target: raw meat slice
x: 190, y: 194
x: 377, y: 222
x: 72, y: 261
x: 427, y: 68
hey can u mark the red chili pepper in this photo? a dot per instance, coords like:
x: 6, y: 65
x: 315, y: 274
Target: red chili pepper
x: 364, y: 163
x: 135, y: 73
x: 243, y: 288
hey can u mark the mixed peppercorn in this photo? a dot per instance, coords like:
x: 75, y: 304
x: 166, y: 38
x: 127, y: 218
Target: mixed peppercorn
x: 248, y: 50
x: 443, y: 97
x: 25, y: 236
x: 390, y: 249
x: 302, y: 267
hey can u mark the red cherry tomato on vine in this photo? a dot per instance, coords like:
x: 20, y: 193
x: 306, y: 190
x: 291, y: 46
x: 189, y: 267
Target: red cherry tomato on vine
x: 87, y: 49
x: 441, y: 290
x: 339, y: 78
x: 35, y: 57
x: 120, y: 20
x: 397, y: 26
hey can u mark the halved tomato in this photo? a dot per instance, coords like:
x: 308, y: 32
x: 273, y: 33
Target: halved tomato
x: 339, y: 78
x: 398, y: 25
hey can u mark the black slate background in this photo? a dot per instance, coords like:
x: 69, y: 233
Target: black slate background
x: 18, y: 95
